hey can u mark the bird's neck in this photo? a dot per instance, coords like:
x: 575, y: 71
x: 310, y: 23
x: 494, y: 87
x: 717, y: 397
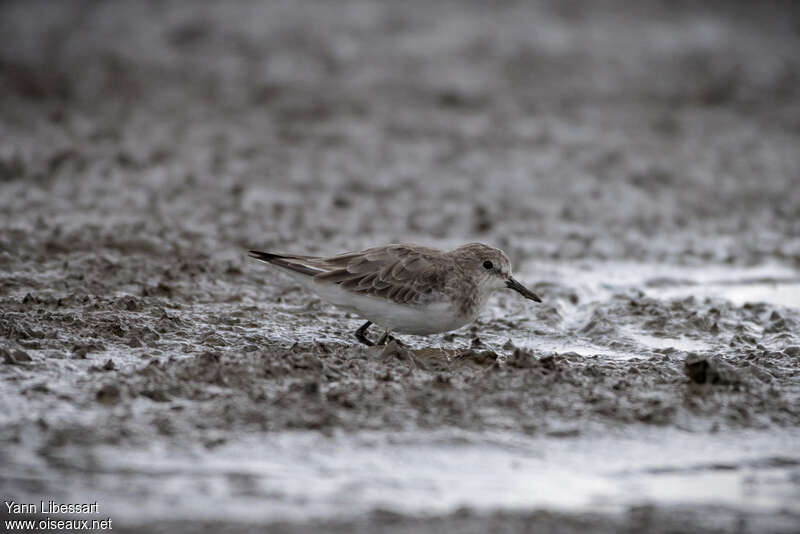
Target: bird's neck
x: 472, y: 301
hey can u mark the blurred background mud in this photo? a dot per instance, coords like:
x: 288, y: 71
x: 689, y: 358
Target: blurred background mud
x: 638, y: 161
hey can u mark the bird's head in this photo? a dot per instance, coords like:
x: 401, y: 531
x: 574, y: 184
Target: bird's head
x: 491, y: 268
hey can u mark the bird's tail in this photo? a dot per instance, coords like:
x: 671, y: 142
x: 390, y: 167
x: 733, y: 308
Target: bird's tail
x: 298, y: 264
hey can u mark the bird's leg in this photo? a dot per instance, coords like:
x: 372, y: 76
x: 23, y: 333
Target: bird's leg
x: 385, y: 338
x: 361, y: 334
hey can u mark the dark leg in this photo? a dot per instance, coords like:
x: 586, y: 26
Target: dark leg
x: 385, y: 338
x: 361, y: 334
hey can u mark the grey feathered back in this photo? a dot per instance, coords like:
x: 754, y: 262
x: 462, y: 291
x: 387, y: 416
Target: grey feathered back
x: 402, y: 273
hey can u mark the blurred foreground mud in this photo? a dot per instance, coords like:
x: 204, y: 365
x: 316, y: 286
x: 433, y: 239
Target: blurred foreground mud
x: 638, y: 161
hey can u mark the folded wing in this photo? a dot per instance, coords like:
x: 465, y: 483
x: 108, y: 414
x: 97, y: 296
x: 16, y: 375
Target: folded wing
x: 400, y: 273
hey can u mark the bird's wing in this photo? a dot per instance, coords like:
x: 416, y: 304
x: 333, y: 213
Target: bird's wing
x: 401, y: 273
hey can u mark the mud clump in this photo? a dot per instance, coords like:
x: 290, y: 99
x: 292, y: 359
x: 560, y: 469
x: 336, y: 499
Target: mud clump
x: 522, y: 359
x: 15, y: 357
x: 108, y: 394
x: 711, y: 370
x: 479, y: 357
x: 793, y: 351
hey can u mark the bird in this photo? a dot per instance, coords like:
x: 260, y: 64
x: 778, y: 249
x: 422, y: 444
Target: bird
x: 405, y: 288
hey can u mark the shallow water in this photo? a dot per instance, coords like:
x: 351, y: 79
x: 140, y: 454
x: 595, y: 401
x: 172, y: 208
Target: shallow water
x: 773, y: 283
x: 295, y: 475
x: 593, y: 283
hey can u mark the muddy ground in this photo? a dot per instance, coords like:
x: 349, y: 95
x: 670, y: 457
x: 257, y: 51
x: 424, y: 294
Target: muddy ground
x: 638, y: 161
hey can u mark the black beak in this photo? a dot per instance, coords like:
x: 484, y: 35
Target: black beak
x: 522, y: 290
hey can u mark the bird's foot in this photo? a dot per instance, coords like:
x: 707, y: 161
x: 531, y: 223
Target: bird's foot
x: 386, y: 338
x: 361, y: 334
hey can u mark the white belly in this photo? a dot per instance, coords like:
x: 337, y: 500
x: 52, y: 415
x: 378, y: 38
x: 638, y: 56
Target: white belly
x: 421, y: 320
x: 424, y: 319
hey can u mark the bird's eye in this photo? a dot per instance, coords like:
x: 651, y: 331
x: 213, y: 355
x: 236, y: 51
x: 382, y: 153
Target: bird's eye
x: 487, y: 264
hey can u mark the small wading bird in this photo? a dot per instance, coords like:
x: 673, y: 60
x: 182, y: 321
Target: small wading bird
x: 405, y: 288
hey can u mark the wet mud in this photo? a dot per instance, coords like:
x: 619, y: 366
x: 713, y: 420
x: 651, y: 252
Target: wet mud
x: 637, y: 161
